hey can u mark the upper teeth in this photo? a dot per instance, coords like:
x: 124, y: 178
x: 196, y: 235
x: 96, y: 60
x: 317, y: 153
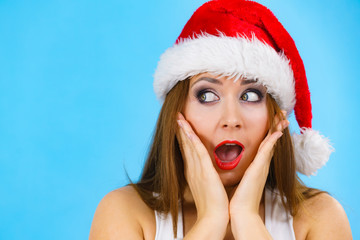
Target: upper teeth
x: 230, y: 144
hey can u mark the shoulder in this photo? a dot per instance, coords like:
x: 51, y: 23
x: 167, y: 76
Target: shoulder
x: 121, y: 213
x: 323, y: 217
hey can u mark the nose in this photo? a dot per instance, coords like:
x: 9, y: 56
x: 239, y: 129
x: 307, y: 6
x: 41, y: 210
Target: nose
x: 231, y: 117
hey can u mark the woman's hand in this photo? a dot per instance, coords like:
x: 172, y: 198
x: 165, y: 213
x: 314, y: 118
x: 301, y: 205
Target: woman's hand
x: 244, y: 205
x: 209, y: 194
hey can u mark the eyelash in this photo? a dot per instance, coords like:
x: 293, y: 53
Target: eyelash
x: 204, y: 91
x: 256, y: 91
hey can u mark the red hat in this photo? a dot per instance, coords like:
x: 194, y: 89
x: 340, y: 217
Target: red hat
x: 243, y: 39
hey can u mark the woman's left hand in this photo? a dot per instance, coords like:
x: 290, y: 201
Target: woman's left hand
x: 246, y: 200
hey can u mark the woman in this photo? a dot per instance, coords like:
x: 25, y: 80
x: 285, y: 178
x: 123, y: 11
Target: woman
x: 222, y: 164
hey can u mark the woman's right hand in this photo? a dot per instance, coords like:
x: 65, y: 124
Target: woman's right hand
x: 208, y: 192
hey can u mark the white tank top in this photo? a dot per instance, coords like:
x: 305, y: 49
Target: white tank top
x: 278, y: 222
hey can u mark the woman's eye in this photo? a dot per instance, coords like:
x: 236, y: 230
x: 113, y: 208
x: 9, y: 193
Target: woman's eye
x: 250, y: 97
x: 206, y: 97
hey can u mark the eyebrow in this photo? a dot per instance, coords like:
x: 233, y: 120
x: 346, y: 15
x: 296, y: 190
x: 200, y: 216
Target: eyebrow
x: 208, y: 79
x: 218, y: 82
x: 248, y: 81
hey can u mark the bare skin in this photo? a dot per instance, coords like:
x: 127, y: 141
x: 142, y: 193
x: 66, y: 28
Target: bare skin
x: 122, y: 214
x: 233, y: 207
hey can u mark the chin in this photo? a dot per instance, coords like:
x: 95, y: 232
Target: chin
x: 230, y: 178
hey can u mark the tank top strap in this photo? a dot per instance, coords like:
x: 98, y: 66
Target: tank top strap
x: 278, y: 221
x: 164, y: 226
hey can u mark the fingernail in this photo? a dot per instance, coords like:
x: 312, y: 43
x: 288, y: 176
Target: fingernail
x: 279, y: 134
x: 180, y: 123
x: 189, y: 135
x: 180, y: 116
x: 286, y: 124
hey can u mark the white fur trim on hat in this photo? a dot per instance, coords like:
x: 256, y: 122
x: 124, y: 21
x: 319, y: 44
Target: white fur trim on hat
x: 227, y: 56
x: 312, y: 151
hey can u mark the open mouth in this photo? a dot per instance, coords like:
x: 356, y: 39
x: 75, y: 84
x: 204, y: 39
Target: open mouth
x: 228, y: 154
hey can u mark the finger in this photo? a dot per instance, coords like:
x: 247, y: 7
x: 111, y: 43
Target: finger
x: 192, y: 166
x: 196, y: 156
x: 180, y: 116
x: 268, y: 145
x: 193, y: 138
x: 186, y: 147
x: 200, y: 154
x: 189, y: 138
x: 270, y: 131
x: 186, y: 144
x: 278, y: 120
x: 259, y: 168
x: 283, y: 119
x: 280, y: 123
x: 203, y: 161
x: 266, y: 149
x: 255, y: 176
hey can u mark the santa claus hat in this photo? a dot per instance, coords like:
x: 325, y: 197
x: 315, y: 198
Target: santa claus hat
x: 239, y: 38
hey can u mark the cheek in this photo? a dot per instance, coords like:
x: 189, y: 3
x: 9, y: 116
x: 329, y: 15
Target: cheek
x: 257, y: 122
x: 201, y: 120
x: 196, y: 119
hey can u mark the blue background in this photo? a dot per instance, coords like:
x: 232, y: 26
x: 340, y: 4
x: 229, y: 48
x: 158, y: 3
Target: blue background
x: 77, y: 106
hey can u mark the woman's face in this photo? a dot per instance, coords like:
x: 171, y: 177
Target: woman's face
x: 229, y: 117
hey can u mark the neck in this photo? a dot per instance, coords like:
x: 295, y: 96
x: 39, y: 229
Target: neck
x: 230, y: 191
x: 188, y: 198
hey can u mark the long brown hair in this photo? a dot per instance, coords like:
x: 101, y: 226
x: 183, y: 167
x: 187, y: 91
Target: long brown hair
x: 162, y: 183
x: 282, y: 173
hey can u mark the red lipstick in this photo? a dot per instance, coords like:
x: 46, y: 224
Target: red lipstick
x: 228, y: 154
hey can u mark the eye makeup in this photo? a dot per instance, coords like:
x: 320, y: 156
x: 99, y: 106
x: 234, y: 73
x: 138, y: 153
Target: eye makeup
x: 206, y: 95
x: 245, y: 95
x: 207, y: 92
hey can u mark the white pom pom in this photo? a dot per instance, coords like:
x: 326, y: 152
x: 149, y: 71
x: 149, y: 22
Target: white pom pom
x: 312, y: 151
